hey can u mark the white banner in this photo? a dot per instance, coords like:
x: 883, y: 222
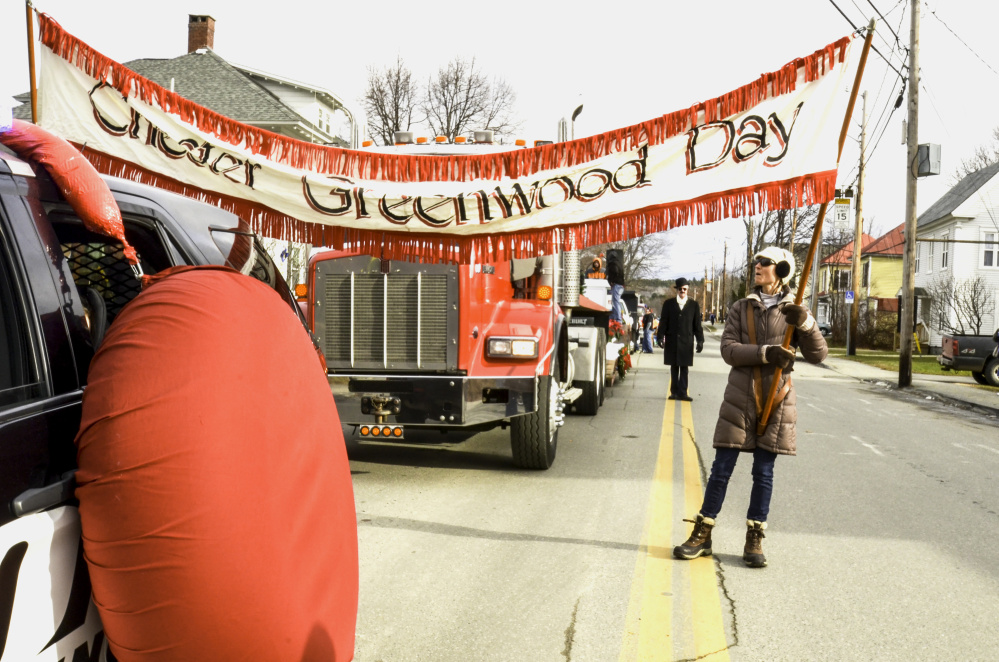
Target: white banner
x: 692, y: 166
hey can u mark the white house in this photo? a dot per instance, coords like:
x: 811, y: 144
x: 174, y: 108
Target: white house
x: 957, y: 239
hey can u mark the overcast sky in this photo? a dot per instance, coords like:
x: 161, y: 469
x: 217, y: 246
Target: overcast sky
x: 623, y: 66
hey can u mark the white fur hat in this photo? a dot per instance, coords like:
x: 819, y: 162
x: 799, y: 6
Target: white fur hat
x: 784, y: 260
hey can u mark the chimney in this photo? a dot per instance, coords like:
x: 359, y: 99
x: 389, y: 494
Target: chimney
x: 200, y: 32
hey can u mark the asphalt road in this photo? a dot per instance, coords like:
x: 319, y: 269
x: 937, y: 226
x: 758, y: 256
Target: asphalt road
x: 882, y: 542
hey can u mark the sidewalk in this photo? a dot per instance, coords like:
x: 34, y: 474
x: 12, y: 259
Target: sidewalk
x: 954, y: 388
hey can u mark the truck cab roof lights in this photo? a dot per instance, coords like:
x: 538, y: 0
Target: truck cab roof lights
x: 440, y: 139
x: 422, y: 140
x: 367, y: 143
x: 460, y: 139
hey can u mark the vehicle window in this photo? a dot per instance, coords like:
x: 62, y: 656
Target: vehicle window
x: 98, y: 262
x: 19, y: 375
x: 244, y: 253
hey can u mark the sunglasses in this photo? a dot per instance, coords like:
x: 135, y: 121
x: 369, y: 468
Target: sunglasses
x: 764, y: 262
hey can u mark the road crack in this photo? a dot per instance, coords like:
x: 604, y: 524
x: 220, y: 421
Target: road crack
x: 570, y: 633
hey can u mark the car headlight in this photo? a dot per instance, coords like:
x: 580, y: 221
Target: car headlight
x: 512, y: 348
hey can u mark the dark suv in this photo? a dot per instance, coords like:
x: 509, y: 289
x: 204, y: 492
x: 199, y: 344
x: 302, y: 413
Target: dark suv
x: 60, y: 286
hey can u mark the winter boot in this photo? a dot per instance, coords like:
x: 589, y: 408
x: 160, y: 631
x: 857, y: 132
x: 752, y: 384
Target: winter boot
x: 699, y: 542
x: 753, y: 554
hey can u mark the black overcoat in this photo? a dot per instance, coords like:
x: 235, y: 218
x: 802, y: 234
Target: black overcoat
x: 677, y: 331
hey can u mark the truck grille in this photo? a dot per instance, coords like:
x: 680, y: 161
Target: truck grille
x: 405, y: 319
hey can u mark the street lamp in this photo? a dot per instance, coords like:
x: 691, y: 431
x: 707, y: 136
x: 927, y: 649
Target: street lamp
x: 575, y: 114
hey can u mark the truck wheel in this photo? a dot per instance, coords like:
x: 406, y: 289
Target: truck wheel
x: 534, y: 437
x: 589, y: 402
x: 991, y: 372
x: 979, y: 377
x: 602, y: 361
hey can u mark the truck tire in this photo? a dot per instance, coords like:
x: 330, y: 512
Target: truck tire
x: 980, y: 377
x: 534, y: 437
x: 991, y: 372
x: 593, y: 391
x: 602, y: 358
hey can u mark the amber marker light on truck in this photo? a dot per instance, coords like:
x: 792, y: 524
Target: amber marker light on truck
x: 386, y: 431
x: 545, y: 292
x: 512, y: 348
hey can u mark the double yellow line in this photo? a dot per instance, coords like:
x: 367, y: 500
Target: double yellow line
x: 650, y: 625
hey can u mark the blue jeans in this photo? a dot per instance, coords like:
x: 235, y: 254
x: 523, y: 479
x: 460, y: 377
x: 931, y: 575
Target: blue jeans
x: 721, y: 471
x: 616, y: 292
x: 647, y: 340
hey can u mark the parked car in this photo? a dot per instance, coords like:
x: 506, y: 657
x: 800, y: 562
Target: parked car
x: 60, y: 286
x: 825, y: 328
x: 978, y: 354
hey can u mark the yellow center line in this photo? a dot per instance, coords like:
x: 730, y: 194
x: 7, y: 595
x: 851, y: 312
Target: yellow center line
x: 706, y: 614
x: 648, y: 625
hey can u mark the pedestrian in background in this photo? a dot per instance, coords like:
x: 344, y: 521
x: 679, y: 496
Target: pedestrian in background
x: 751, y: 344
x: 679, y: 327
x: 615, y: 276
x: 596, y: 268
x: 647, y: 319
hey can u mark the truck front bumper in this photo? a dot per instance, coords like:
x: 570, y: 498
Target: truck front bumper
x: 433, y: 401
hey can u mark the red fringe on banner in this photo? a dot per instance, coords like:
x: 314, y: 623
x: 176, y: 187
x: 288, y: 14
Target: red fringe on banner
x: 411, y: 168
x: 425, y: 247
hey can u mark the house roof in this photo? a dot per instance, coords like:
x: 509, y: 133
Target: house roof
x: 208, y: 80
x: 891, y: 244
x: 953, y: 198
x: 845, y: 254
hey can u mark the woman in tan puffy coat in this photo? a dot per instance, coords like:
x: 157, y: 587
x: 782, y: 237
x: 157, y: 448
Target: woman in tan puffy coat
x: 751, y: 344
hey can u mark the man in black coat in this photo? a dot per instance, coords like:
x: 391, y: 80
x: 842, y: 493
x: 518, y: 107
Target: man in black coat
x: 679, y: 326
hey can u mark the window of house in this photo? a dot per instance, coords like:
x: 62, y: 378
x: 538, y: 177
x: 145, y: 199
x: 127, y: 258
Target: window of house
x: 929, y: 261
x: 825, y: 280
x: 990, y: 249
x: 843, y: 279
x: 919, y: 252
x: 866, y: 279
x: 945, y: 251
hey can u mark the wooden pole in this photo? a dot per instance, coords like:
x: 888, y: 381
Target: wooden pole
x: 29, y: 12
x: 761, y: 425
x: 908, y: 312
x: 858, y: 239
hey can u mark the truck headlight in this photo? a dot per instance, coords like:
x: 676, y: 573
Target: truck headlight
x: 514, y: 348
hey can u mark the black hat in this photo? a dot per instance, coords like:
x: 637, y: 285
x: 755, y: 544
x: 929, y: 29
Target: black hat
x: 680, y: 282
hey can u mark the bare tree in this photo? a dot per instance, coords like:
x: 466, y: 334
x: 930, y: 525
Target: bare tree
x: 984, y: 155
x: 960, y: 306
x: 460, y: 98
x: 780, y: 228
x: 389, y: 101
x: 643, y: 256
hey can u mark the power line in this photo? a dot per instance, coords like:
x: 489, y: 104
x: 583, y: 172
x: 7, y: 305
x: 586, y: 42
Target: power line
x: 898, y: 41
x: 963, y: 42
x: 858, y: 30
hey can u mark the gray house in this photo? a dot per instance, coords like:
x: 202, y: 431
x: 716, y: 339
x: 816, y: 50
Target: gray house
x: 268, y: 101
x: 957, y: 245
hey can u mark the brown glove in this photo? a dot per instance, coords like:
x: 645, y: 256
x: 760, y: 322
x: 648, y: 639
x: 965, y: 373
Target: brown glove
x: 795, y: 315
x: 780, y: 357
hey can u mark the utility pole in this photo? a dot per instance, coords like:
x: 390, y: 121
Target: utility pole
x: 723, y: 309
x: 907, y: 314
x: 858, y: 238
x: 749, y: 256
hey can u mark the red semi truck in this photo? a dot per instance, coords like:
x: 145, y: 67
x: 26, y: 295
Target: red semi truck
x: 459, y: 347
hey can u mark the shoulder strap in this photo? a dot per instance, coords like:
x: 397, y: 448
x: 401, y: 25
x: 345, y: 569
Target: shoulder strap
x: 757, y: 373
